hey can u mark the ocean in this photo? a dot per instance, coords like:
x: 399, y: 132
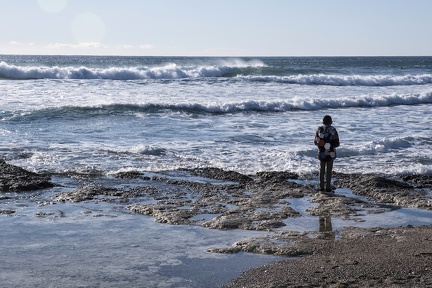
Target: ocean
x: 109, y: 114
x: 78, y: 117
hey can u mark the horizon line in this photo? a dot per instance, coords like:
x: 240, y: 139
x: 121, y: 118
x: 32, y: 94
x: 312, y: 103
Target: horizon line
x: 209, y: 56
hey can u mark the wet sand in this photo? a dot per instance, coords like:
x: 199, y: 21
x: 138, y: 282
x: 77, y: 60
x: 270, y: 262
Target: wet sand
x: 396, y: 257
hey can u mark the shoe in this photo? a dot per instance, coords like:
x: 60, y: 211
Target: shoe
x: 329, y: 191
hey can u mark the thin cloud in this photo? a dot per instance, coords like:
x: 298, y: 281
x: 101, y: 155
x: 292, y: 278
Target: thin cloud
x: 77, y: 46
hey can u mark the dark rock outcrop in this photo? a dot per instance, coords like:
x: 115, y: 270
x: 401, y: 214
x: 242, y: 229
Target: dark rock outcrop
x: 17, y: 179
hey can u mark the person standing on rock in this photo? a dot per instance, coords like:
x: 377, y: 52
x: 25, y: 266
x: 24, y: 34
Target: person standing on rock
x: 327, y: 140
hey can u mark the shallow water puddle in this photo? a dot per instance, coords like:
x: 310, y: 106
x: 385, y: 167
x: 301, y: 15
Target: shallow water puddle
x: 304, y: 223
x: 79, y: 249
x: 369, y: 217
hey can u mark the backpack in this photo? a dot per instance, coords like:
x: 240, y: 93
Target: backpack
x: 327, y: 139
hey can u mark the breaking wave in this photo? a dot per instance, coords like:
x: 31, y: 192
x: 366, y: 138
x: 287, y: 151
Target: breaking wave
x: 242, y: 71
x: 168, y: 71
x: 250, y: 106
x: 347, y: 80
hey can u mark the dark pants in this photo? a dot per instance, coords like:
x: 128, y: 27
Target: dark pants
x: 325, y: 171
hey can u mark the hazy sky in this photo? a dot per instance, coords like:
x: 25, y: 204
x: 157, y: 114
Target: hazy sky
x: 217, y: 27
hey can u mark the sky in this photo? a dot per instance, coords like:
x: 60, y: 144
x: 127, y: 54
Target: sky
x: 217, y: 28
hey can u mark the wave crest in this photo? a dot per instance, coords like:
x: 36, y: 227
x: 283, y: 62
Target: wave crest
x: 346, y: 80
x: 168, y: 71
x: 254, y: 71
x: 250, y: 106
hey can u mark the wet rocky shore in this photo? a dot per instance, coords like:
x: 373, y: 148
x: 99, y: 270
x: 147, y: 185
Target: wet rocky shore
x: 16, y: 179
x: 217, y: 199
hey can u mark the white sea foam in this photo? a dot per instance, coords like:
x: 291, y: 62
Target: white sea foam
x: 149, y: 150
x: 347, y: 80
x: 168, y: 71
x: 377, y: 147
x: 174, y: 71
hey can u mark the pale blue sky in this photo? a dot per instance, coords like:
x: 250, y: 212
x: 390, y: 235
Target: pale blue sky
x: 217, y: 28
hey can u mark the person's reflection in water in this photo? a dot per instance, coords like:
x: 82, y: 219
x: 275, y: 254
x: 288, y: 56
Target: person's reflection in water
x: 325, y: 227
